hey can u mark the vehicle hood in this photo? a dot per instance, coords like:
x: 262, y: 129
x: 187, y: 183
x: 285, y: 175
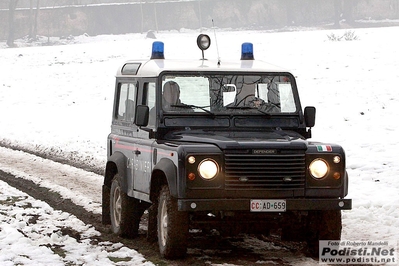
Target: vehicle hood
x: 271, y: 138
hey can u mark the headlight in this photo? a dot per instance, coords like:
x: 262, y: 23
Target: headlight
x: 318, y: 168
x: 208, y: 169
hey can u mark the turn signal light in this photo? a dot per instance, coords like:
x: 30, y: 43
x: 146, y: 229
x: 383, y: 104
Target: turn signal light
x: 337, y: 175
x: 191, y: 176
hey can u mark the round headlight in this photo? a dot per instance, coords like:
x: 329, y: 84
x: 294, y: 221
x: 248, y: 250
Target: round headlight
x: 318, y: 168
x: 208, y: 169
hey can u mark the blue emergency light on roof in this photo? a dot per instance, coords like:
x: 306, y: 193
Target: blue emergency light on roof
x: 157, y: 50
x: 247, y: 51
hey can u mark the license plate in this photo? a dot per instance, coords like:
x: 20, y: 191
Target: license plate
x: 268, y: 206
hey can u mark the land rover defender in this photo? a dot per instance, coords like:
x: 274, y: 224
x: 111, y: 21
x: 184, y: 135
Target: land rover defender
x: 218, y: 145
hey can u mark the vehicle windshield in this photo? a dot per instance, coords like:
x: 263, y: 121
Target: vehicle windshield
x: 228, y: 94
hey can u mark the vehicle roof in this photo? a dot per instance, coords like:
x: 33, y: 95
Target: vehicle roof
x: 153, y: 67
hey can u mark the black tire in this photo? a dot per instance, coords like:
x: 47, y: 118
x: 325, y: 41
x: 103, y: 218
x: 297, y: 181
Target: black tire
x: 172, y: 227
x: 125, y: 212
x: 322, y: 225
x: 294, y: 227
x: 293, y: 233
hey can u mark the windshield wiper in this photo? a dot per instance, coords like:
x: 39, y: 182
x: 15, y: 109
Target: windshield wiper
x: 249, y: 108
x: 239, y: 107
x: 263, y: 112
x: 190, y: 106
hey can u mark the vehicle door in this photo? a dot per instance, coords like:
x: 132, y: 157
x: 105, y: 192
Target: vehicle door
x: 144, y: 152
x: 124, y: 127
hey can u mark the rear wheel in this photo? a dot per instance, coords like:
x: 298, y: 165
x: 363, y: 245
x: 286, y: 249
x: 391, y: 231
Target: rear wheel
x: 172, y: 227
x: 125, y: 211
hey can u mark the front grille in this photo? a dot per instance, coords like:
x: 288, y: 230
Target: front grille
x: 272, y: 172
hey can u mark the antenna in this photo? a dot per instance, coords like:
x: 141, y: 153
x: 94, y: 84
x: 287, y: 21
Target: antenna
x: 216, y: 41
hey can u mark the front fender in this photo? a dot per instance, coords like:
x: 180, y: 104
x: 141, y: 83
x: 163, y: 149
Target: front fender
x: 346, y: 185
x: 169, y: 169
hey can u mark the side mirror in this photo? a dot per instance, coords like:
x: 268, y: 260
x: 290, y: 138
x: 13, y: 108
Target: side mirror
x: 142, y: 114
x: 310, y: 116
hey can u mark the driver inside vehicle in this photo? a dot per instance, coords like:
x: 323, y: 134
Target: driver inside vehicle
x: 170, y: 95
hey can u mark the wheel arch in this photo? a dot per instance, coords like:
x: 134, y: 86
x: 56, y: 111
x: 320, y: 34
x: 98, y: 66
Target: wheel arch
x: 346, y: 185
x: 164, y: 172
x: 116, y: 164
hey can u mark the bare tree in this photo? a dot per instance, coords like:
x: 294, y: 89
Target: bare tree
x: 337, y: 12
x: 30, y: 19
x: 200, y: 15
x: 142, y: 17
x: 155, y: 15
x: 11, y: 23
x: 349, y: 6
x: 33, y: 20
x: 34, y: 34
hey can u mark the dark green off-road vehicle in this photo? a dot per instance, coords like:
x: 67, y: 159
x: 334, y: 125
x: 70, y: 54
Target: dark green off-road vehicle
x: 210, y: 145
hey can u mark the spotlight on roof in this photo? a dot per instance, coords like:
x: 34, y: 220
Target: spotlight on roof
x: 203, y: 42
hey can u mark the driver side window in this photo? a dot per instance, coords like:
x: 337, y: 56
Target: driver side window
x: 150, y: 102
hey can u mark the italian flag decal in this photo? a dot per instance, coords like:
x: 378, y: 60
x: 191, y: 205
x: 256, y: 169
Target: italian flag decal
x: 327, y: 148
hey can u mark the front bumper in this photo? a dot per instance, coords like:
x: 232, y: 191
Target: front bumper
x: 244, y: 204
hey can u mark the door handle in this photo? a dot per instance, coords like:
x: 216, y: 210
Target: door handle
x: 137, y: 152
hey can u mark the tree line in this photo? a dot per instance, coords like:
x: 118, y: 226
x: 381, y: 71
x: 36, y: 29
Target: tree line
x: 33, y: 15
x: 68, y: 17
x: 34, y: 8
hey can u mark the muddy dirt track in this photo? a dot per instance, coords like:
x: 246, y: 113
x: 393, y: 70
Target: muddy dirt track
x: 210, y: 249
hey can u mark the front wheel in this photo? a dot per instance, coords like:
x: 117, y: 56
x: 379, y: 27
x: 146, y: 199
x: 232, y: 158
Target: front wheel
x: 293, y: 227
x: 172, y: 227
x: 125, y: 211
x: 323, y: 225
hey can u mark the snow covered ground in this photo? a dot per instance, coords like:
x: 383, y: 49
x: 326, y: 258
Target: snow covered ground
x: 58, y: 99
x: 32, y: 233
